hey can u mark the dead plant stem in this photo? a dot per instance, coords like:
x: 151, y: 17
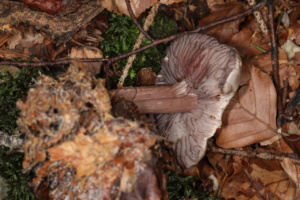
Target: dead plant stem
x: 250, y: 154
x: 275, y: 63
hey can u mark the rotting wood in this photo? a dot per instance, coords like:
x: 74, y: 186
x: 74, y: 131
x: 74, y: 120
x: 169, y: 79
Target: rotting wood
x: 60, y: 27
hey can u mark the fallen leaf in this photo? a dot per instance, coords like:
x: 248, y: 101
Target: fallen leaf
x: 251, y: 179
x: 25, y: 42
x: 293, y: 172
x: 88, y: 52
x: 287, y: 71
x: 120, y: 7
x: 251, y: 116
x: 223, y: 32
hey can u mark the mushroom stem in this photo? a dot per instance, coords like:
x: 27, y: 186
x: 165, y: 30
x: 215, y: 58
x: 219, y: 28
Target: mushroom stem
x: 173, y: 98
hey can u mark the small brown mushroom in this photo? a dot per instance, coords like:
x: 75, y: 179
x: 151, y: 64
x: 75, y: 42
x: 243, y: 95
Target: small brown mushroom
x: 201, y: 76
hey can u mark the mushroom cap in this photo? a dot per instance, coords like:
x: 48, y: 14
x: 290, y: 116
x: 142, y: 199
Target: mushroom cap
x: 213, y: 71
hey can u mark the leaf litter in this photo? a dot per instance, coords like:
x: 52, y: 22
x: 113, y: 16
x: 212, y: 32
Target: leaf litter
x: 250, y: 117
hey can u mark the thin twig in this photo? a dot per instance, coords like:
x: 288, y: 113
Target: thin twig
x: 107, y: 80
x: 275, y: 63
x: 136, y: 22
x: 156, y: 42
x: 250, y: 154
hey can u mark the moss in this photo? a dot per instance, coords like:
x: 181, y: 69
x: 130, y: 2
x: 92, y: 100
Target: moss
x: 12, y: 89
x: 121, y: 37
x: 11, y: 171
x: 163, y: 26
x: 180, y: 188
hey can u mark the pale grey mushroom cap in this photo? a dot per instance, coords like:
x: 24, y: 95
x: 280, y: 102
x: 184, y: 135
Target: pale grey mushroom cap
x: 213, y: 71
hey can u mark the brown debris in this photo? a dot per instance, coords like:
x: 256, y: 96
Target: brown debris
x: 78, y: 149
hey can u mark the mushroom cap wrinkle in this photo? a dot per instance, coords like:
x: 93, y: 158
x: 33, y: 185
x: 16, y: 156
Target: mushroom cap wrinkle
x: 213, y: 71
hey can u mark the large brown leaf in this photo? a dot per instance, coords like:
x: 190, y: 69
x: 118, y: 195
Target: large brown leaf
x: 251, y: 116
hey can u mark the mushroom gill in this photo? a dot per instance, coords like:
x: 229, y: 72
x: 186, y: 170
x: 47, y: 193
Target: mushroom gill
x: 212, y: 71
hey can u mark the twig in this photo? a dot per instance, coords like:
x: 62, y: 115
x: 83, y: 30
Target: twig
x: 259, y: 19
x: 11, y: 141
x: 136, y: 22
x: 107, y: 80
x: 250, y: 154
x: 156, y: 42
x: 275, y: 63
x: 148, y: 22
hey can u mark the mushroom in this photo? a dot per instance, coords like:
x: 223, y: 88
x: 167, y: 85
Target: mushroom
x: 201, y: 76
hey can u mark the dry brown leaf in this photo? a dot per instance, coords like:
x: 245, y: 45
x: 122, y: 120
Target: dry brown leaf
x: 212, y: 3
x: 4, y: 53
x: 25, y: 42
x: 292, y: 171
x: 138, y: 6
x: 4, y: 37
x: 241, y: 36
x: 223, y: 32
x: 120, y: 7
x: 286, y: 71
x: 251, y: 116
x: 271, y: 184
x: 295, y: 31
x: 88, y: 52
x: 251, y: 179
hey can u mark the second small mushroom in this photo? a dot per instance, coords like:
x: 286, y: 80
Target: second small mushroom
x: 199, y: 76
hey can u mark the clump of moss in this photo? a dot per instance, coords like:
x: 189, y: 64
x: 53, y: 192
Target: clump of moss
x: 121, y: 37
x: 163, y: 26
x: 12, y: 88
x: 180, y: 188
x: 11, y: 171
